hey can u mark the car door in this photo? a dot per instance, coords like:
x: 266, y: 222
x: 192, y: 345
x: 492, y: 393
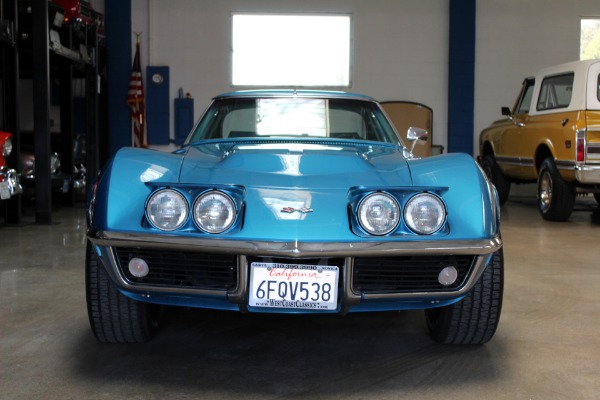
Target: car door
x: 511, y: 153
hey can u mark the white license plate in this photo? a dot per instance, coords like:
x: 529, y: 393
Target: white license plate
x: 296, y: 286
x: 4, y: 190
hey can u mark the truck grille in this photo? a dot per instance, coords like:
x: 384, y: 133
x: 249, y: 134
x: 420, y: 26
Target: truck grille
x: 407, y: 273
x: 182, y: 269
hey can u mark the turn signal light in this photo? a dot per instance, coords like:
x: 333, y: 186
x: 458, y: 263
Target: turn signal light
x: 138, y: 267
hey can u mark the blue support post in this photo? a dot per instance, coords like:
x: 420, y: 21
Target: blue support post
x: 461, y: 79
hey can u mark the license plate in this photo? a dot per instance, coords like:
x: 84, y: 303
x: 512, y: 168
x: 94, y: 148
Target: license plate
x: 297, y: 286
x: 4, y: 190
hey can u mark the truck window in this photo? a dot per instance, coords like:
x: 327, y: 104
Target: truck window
x: 556, y: 92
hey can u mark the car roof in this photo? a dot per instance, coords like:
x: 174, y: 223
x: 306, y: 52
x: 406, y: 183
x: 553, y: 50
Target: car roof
x: 330, y: 94
x: 586, y: 74
x: 580, y: 66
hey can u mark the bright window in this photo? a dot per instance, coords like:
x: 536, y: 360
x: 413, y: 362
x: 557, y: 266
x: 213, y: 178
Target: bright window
x: 590, y: 39
x: 291, y: 50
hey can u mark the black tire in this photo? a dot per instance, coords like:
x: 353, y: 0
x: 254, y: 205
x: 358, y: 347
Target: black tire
x: 494, y: 173
x: 474, y: 319
x: 556, y: 197
x: 115, y: 318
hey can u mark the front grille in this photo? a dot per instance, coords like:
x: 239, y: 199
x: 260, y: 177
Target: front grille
x: 407, y: 274
x: 182, y: 269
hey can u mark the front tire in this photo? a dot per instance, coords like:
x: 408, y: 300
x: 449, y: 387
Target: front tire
x: 494, y: 173
x: 115, y: 318
x: 474, y: 319
x: 556, y: 197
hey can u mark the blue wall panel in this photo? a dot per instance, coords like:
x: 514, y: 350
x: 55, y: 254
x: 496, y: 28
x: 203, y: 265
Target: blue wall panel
x: 184, y: 119
x: 157, y: 105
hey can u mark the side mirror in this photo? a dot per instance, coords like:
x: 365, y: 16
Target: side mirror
x: 416, y: 135
x: 506, y: 111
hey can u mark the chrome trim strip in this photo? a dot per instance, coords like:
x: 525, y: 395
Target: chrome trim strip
x: 515, y: 161
x: 297, y: 249
x: 565, y: 165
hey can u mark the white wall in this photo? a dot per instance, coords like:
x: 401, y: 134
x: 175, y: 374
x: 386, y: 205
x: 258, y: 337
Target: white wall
x: 400, y: 48
x: 514, y: 39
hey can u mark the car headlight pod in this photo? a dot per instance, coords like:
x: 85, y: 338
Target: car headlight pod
x: 425, y: 213
x: 7, y: 148
x: 214, y: 212
x: 167, y: 210
x: 378, y: 214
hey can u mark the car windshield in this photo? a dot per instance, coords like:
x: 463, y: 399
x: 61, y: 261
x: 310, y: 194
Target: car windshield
x: 294, y: 117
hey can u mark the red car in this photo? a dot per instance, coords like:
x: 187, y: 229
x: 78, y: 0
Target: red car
x: 9, y: 179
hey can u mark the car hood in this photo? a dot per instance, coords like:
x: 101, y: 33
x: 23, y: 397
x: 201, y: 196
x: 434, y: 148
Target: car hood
x: 296, y: 165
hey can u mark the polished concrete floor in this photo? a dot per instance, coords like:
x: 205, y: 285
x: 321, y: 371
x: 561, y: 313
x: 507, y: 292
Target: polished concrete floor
x: 547, y: 345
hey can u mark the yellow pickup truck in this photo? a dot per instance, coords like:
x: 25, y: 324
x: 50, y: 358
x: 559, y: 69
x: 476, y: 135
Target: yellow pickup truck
x: 551, y: 136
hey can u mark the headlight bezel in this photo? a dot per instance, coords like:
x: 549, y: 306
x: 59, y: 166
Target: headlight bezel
x: 411, y: 203
x: 152, y: 217
x: 230, y: 205
x: 402, y: 195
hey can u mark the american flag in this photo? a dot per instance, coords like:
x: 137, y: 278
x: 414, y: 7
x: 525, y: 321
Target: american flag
x: 135, y: 99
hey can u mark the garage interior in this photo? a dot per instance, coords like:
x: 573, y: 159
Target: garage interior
x: 462, y: 59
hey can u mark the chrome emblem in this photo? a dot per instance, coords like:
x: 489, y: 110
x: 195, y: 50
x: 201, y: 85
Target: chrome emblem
x: 303, y: 210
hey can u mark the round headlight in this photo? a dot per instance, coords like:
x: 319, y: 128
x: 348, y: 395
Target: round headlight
x: 378, y: 213
x: 7, y: 147
x: 167, y: 210
x: 214, y: 212
x: 425, y: 214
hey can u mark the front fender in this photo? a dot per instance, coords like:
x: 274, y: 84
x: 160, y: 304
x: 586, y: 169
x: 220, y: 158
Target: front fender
x: 472, y: 201
x: 121, y: 190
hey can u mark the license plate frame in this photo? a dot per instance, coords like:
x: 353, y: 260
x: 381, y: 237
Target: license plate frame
x: 293, y: 286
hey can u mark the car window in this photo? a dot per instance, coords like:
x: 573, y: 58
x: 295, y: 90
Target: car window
x: 556, y: 92
x: 295, y: 117
x: 524, y: 103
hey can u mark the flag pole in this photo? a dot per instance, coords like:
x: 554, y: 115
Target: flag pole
x: 135, y: 98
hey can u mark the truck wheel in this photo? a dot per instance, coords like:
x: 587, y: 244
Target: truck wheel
x: 556, y: 197
x: 494, y: 173
x: 115, y: 318
x: 474, y: 319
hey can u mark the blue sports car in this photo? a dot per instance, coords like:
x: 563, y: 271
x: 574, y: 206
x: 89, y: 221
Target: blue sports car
x: 294, y: 201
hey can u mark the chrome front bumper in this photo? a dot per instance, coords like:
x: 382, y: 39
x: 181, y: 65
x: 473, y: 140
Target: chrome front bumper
x: 588, y: 174
x: 107, y: 241
x: 10, y: 184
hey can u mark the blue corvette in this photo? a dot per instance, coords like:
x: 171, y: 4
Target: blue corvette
x: 294, y: 202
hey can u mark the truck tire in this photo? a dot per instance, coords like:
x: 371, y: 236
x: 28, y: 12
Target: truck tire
x: 474, y: 319
x: 114, y: 317
x: 556, y: 197
x: 494, y: 173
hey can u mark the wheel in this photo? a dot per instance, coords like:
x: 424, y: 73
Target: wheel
x: 556, y: 197
x: 494, y: 173
x: 115, y: 318
x: 474, y: 319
